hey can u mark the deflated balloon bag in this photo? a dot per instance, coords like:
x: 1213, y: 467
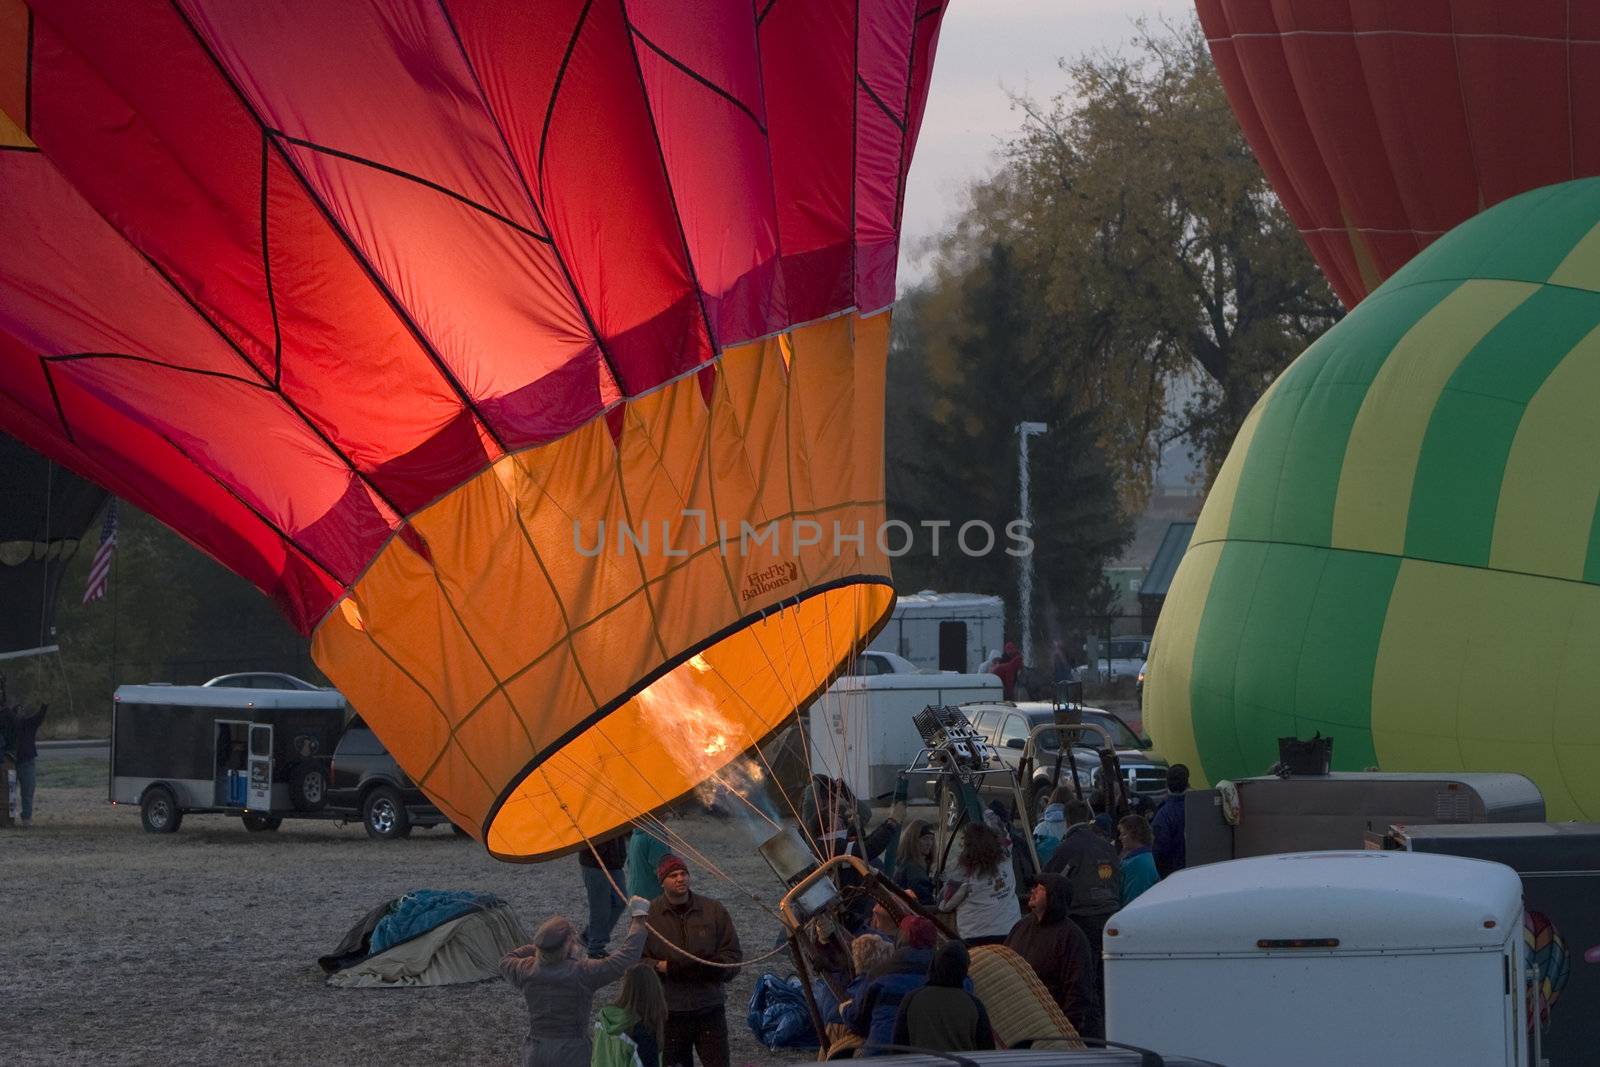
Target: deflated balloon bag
x: 778, y: 1015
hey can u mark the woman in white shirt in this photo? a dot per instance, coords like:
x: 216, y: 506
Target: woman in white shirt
x: 985, y: 898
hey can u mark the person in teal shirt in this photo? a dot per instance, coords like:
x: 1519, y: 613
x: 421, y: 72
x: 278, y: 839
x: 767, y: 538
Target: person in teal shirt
x: 645, y: 850
x: 1138, y: 865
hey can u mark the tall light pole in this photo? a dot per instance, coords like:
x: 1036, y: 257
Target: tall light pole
x: 1026, y: 430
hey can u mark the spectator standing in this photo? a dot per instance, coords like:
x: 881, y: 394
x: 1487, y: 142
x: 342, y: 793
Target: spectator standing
x: 985, y: 899
x: 27, y: 759
x: 559, y: 986
x: 680, y: 919
x: 914, y: 863
x: 1057, y: 950
x: 605, y: 903
x: 944, y: 1015
x: 1167, y: 826
x: 1006, y: 669
x: 645, y: 853
x: 1052, y: 824
x: 1138, y: 864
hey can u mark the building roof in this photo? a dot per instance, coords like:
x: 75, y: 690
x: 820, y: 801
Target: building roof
x: 1158, y: 579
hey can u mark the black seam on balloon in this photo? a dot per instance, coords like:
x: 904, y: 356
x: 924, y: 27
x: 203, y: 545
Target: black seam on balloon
x: 932, y: 11
x: 855, y: 143
x: 673, y: 664
x: 555, y: 90
x: 905, y: 128
x: 781, y: 286
x: 128, y: 357
x: 425, y: 691
x: 533, y: 202
x: 266, y: 273
x: 19, y: 148
x: 461, y: 198
x: 696, y: 75
x: 900, y: 123
x: 672, y: 195
x: 367, y: 268
x: 1403, y: 556
x: 762, y: 17
x: 55, y: 398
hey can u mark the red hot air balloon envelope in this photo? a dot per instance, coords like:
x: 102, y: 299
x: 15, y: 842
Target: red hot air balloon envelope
x: 1381, y: 125
x: 399, y: 309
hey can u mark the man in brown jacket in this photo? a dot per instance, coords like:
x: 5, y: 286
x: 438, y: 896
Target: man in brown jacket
x: 697, y: 1019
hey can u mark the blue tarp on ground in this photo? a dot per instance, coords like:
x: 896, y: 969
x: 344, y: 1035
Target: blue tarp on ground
x: 418, y: 912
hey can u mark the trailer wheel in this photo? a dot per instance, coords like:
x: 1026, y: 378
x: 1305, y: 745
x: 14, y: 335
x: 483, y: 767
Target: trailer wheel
x: 258, y: 823
x: 385, y: 815
x: 159, y: 811
x: 308, y: 786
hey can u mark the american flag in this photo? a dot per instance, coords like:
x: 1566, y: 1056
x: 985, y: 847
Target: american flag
x: 100, y: 569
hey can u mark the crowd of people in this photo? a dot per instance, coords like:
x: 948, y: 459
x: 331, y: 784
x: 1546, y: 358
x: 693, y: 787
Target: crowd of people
x: 885, y: 977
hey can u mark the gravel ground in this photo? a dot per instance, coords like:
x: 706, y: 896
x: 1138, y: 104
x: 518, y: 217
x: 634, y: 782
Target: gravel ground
x: 118, y: 946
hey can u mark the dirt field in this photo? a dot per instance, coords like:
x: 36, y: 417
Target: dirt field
x: 118, y: 946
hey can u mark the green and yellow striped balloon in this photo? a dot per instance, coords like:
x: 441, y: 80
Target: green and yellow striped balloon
x: 1402, y: 549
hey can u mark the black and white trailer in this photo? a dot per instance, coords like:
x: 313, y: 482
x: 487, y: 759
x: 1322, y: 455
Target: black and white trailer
x: 260, y: 754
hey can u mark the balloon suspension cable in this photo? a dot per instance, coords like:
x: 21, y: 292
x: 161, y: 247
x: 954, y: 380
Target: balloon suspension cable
x: 621, y: 895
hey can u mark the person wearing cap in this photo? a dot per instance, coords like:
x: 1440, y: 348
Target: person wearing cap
x: 872, y: 1013
x: 693, y: 945
x: 1167, y: 827
x: 559, y: 982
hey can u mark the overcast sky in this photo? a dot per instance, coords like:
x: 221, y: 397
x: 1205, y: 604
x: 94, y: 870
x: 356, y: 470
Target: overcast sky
x: 987, y: 48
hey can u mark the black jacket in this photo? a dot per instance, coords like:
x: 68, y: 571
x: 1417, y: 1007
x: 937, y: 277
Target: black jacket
x: 1093, y: 869
x: 1059, y: 953
x: 613, y: 850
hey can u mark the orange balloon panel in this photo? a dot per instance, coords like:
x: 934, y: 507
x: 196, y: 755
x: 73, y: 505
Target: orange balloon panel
x: 591, y: 628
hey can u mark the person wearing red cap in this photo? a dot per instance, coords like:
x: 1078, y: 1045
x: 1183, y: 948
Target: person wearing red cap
x: 692, y: 942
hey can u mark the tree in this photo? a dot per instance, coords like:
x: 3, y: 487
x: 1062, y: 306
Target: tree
x: 966, y: 366
x: 1164, y: 262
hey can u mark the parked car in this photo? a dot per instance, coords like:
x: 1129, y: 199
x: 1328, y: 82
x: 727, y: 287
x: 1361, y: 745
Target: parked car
x: 869, y: 664
x: 1122, y: 657
x: 365, y: 782
x: 1007, y: 726
x: 263, y: 680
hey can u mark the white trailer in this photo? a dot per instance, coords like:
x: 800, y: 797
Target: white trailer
x: 1324, y: 958
x: 945, y: 631
x: 860, y: 729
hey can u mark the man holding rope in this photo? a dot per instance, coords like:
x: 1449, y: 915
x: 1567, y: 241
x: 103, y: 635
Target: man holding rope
x: 696, y: 951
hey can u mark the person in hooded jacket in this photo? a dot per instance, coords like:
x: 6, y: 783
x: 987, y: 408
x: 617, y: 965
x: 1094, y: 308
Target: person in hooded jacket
x: 1094, y: 872
x: 872, y: 1014
x: 559, y: 984
x: 944, y: 1015
x: 1167, y: 827
x: 1052, y: 824
x: 1058, y: 951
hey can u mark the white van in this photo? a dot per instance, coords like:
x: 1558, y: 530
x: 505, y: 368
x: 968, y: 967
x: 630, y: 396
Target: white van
x: 1324, y: 958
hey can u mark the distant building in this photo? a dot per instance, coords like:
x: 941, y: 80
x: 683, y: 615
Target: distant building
x: 1163, y: 565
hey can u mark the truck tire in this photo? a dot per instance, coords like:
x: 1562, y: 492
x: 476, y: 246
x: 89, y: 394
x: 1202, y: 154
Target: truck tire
x: 159, y: 811
x: 384, y: 815
x: 258, y: 823
x: 308, y: 786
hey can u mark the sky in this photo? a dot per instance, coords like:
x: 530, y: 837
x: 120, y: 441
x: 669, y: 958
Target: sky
x: 988, y: 49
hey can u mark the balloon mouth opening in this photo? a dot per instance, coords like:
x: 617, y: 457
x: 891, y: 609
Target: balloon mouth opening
x: 701, y: 719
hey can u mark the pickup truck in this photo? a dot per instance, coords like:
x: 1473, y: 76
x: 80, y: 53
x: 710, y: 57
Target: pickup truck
x: 1006, y: 726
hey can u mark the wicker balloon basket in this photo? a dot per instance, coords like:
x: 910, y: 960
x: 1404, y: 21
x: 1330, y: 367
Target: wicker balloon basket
x: 1019, y: 1005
